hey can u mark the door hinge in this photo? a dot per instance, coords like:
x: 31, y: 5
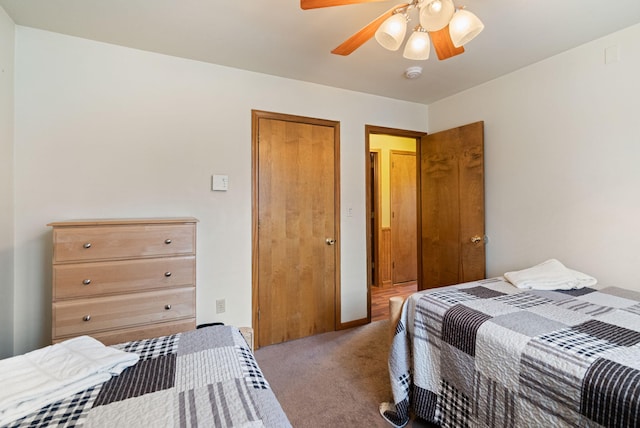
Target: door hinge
x: 258, y: 314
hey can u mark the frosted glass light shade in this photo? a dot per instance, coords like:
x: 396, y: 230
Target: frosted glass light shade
x: 391, y: 33
x: 464, y: 26
x: 418, y: 46
x: 436, y: 14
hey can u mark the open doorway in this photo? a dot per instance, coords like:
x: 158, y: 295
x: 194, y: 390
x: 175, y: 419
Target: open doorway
x: 449, y: 208
x: 392, y: 182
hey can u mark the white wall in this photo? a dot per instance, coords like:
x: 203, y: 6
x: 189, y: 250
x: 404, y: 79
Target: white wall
x: 562, y: 147
x: 6, y: 183
x: 105, y: 131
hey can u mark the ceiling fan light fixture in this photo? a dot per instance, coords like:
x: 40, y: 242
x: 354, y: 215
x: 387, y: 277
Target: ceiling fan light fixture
x: 436, y: 14
x: 392, y: 31
x: 390, y: 28
x: 464, y: 26
x: 418, y: 46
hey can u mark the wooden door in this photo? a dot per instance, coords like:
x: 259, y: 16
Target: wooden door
x: 451, y: 199
x: 297, y: 250
x: 404, y: 242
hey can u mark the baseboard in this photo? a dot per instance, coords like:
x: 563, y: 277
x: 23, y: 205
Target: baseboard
x: 351, y: 324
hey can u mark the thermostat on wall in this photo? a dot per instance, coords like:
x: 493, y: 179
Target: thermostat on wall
x: 220, y: 182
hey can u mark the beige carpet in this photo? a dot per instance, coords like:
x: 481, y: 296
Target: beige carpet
x: 335, y: 379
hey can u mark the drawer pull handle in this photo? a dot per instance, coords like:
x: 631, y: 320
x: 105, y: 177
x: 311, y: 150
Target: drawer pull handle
x: 167, y: 241
x: 86, y: 282
x: 87, y: 245
x: 167, y: 274
x: 86, y: 318
x: 167, y: 307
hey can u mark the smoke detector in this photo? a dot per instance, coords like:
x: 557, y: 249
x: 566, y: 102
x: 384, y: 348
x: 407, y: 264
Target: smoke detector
x: 413, y: 72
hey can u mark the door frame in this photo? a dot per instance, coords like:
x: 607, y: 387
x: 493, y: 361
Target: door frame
x: 256, y: 115
x: 373, y: 227
x: 371, y: 130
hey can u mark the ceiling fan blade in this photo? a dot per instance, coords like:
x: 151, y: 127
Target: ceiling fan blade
x: 441, y: 41
x: 315, y: 4
x: 365, y: 33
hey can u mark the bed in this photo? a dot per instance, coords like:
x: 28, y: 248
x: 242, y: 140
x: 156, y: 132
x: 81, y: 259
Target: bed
x: 485, y: 353
x: 206, y: 377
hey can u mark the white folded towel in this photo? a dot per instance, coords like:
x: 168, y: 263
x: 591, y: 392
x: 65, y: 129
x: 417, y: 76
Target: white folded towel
x: 550, y: 275
x: 44, y: 376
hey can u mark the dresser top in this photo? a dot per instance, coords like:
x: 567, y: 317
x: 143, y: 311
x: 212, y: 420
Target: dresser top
x: 123, y: 221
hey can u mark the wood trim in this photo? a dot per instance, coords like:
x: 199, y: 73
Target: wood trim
x: 368, y: 209
x: 377, y: 212
x: 336, y: 193
x: 419, y: 209
x: 354, y: 323
x: 259, y: 114
x: 255, y: 116
x: 401, y: 152
x: 372, y: 129
x: 386, y: 279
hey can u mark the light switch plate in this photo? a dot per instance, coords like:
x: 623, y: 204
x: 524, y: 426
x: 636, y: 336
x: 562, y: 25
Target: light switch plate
x: 220, y: 306
x: 220, y: 182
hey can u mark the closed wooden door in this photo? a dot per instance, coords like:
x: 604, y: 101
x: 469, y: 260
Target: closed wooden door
x: 452, y: 206
x: 296, y: 253
x: 404, y: 242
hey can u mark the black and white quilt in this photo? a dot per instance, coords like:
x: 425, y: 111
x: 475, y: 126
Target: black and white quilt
x: 485, y: 354
x: 205, y: 378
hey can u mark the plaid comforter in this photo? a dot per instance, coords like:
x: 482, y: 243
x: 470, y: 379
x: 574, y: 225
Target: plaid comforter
x: 485, y: 354
x: 207, y: 378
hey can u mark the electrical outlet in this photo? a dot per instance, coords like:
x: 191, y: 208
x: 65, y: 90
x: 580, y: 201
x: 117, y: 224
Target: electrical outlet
x: 220, y: 306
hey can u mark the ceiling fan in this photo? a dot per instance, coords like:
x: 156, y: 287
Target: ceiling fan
x: 440, y: 24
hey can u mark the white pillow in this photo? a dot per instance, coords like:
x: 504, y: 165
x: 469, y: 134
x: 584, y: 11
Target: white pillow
x: 549, y: 275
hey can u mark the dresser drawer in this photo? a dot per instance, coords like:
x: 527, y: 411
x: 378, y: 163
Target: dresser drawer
x: 122, y: 242
x: 126, y: 276
x: 145, y: 332
x: 86, y: 316
x: 111, y: 337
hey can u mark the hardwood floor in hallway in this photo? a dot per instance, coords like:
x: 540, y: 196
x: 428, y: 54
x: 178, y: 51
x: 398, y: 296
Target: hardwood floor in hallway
x: 380, y: 298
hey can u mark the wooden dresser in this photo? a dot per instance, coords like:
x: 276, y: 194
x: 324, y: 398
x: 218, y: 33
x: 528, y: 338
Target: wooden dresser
x: 120, y: 280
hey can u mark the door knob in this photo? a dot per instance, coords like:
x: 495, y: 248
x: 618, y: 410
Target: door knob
x: 476, y: 239
x: 330, y: 241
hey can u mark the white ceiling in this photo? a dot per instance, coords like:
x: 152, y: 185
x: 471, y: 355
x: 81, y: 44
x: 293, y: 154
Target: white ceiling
x: 277, y: 37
